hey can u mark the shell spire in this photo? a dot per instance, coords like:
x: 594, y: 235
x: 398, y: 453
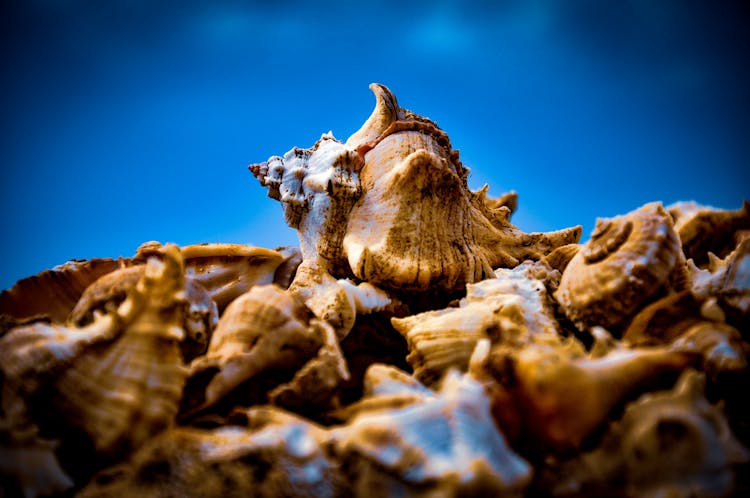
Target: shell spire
x: 386, y: 112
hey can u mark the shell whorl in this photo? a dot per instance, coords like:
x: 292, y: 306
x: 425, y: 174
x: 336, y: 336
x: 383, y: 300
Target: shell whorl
x: 628, y: 259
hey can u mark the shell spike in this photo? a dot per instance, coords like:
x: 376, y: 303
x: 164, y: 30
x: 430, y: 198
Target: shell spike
x: 385, y: 113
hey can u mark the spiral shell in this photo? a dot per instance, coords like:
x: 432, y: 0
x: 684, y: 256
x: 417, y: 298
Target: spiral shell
x: 264, y: 328
x: 109, y: 291
x: 392, y: 207
x: 276, y: 454
x: 417, y: 225
x: 627, y: 260
x: 512, y: 309
x: 123, y: 392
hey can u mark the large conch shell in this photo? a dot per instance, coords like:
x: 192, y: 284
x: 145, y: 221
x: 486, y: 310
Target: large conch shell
x: 668, y: 443
x: 392, y: 207
x: 628, y: 259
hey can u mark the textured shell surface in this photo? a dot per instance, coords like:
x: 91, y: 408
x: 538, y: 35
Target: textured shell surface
x: 667, y: 443
x: 391, y: 206
x: 703, y: 229
x: 512, y: 309
x: 108, y: 292
x: 727, y: 280
x: 417, y: 225
x: 277, y: 455
x: 317, y: 188
x: 53, y: 293
x: 123, y: 392
x: 395, y: 452
x: 262, y: 329
x: 564, y: 398
x: 626, y: 261
x: 224, y: 270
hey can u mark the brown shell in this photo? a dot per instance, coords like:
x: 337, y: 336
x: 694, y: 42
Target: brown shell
x: 392, y: 207
x: 107, y: 293
x: 265, y: 328
x: 53, y: 293
x: 122, y: 393
x: 276, y: 454
x: 417, y: 225
x: 628, y: 259
x: 704, y: 229
x: 667, y: 443
x: 563, y: 399
x: 224, y: 270
x: 512, y: 309
x: 397, y: 452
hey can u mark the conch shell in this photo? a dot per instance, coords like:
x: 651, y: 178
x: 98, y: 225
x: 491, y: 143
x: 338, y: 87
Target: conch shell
x: 122, y: 393
x: 628, y: 259
x: 265, y: 328
x: 563, y: 399
x: 398, y: 452
x: 704, y: 229
x: 225, y: 270
x: 274, y: 454
x: 668, y: 443
x: 109, y: 291
x: 392, y: 207
x: 512, y: 309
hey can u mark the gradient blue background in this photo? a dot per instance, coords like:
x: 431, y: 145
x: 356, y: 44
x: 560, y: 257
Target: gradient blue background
x: 128, y: 121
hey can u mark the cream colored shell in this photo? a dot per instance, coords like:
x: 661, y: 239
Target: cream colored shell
x: 262, y: 329
x: 628, y: 259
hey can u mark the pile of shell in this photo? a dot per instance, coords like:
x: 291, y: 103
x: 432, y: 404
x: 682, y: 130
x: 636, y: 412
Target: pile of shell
x: 416, y: 344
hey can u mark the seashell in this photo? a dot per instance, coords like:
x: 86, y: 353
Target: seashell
x: 122, y: 393
x: 315, y: 384
x: 668, y: 443
x: 28, y: 464
x: 513, y: 309
x: 337, y: 301
x: 728, y: 281
x: 384, y: 387
x: 417, y: 225
x: 560, y: 257
x: 391, y: 206
x: 31, y: 356
x: 317, y: 188
x: 704, y: 229
x: 285, y: 272
x: 109, y: 291
x: 563, y: 399
x: 224, y: 270
x: 278, y: 454
x: 265, y: 328
x: 628, y: 259
x: 53, y: 293
x: 396, y: 452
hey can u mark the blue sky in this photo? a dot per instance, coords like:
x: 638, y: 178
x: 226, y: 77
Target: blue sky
x: 135, y: 120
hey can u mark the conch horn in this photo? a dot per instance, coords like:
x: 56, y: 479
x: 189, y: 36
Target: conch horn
x: 386, y: 112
